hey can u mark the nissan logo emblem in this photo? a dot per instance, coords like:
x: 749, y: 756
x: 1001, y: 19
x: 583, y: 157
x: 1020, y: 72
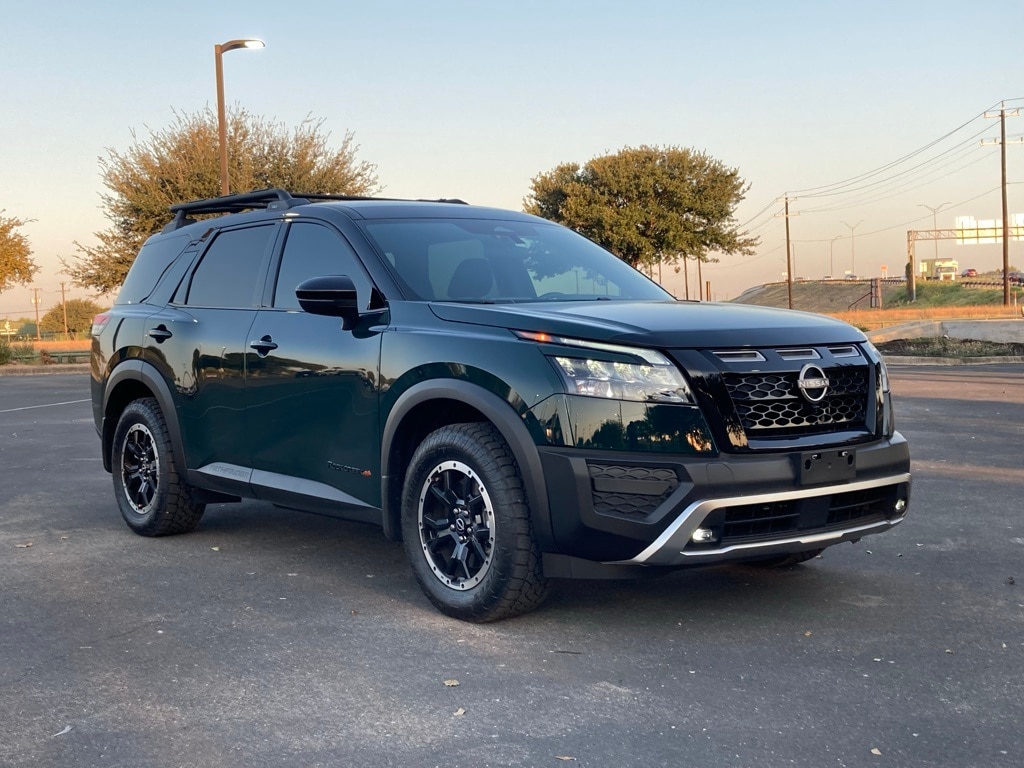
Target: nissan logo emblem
x: 812, y: 383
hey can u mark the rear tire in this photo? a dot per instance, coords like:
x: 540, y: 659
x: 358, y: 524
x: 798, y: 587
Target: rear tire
x: 152, y: 497
x: 466, y: 526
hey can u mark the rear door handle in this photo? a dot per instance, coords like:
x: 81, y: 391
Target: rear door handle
x: 263, y: 346
x: 160, y: 333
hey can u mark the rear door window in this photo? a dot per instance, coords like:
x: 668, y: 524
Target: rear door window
x: 230, y: 270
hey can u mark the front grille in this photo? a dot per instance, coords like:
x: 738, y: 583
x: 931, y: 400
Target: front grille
x: 629, y: 491
x: 770, y: 404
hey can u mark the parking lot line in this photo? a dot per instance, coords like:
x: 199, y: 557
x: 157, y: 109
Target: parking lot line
x: 45, y: 405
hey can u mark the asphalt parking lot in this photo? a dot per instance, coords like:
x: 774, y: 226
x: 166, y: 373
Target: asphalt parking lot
x: 274, y: 638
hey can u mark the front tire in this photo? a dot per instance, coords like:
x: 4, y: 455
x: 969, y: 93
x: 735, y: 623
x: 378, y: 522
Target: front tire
x: 466, y: 526
x: 152, y: 497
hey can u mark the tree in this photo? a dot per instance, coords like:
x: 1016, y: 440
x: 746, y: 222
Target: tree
x: 16, y: 264
x: 181, y: 163
x: 647, y: 204
x: 80, y: 315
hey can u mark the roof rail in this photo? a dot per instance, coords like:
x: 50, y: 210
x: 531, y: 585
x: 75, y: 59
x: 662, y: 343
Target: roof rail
x: 318, y: 196
x: 270, y: 199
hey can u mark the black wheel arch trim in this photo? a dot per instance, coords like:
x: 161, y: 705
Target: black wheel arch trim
x: 148, y: 375
x: 499, y: 413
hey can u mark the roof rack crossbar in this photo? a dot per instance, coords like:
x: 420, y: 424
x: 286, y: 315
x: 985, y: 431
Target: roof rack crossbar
x: 271, y: 198
x: 232, y: 203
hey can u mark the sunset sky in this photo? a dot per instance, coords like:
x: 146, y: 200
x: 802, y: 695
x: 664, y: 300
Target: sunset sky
x: 864, y: 112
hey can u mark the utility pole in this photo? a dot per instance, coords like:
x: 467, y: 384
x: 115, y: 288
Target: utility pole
x: 64, y: 308
x: 35, y: 300
x: 1006, y: 218
x: 853, y: 262
x: 789, y: 258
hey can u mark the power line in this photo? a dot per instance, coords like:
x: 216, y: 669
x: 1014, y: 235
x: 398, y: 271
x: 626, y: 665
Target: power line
x: 965, y: 147
x: 896, y: 192
x: 907, y: 223
x: 881, y: 169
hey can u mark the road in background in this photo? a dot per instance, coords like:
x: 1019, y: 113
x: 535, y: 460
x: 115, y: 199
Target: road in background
x: 275, y: 638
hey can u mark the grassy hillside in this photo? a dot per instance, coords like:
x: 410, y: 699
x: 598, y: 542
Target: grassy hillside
x: 824, y: 297
x: 935, y: 301
x: 932, y: 294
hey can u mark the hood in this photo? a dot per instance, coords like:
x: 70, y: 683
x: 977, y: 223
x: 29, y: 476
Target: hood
x: 661, y: 324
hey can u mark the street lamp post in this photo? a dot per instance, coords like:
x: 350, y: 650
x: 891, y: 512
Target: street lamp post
x: 222, y: 130
x: 853, y: 263
x: 831, y: 262
x: 935, y: 220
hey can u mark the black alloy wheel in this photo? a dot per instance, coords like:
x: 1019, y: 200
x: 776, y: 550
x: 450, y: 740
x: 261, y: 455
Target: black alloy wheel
x: 153, y: 498
x: 456, y: 525
x: 140, y: 474
x: 466, y: 525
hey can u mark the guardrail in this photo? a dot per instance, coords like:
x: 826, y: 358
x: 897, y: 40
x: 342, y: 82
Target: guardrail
x: 51, y: 357
x: 72, y: 356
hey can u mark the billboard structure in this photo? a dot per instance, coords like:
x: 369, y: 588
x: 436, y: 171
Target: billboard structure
x: 971, y: 231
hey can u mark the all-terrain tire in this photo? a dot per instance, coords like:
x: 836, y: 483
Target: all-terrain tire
x: 466, y: 526
x: 153, y: 498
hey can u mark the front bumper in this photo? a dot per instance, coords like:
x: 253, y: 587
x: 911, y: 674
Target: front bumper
x: 639, y: 510
x: 675, y: 546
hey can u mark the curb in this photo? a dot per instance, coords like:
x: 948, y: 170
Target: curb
x: 17, y: 369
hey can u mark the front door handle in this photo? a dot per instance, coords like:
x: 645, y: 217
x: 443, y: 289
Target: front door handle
x: 263, y: 346
x: 160, y: 333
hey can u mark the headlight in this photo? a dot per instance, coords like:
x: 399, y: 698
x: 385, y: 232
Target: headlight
x: 655, y: 380
x: 624, y: 381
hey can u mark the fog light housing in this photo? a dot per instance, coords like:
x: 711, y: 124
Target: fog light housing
x: 901, y: 504
x: 702, y: 536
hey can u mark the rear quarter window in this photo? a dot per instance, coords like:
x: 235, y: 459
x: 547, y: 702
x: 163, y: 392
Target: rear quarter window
x: 149, y: 266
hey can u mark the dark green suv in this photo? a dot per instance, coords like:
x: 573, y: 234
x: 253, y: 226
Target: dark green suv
x: 507, y: 398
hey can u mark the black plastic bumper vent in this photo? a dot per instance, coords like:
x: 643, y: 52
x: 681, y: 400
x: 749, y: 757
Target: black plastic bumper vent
x: 629, y: 491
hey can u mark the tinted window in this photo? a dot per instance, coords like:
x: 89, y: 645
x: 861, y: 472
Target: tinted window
x: 151, y: 263
x: 230, y: 269
x: 481, y: 260
x: 313, y: 251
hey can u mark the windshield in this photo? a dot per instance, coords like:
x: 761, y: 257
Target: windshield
x: 504, y: 261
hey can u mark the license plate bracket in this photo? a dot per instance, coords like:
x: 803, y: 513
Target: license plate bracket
x: 829, y: 466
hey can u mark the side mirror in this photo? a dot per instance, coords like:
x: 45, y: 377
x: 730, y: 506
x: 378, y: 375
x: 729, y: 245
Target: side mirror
x: 331, y: 295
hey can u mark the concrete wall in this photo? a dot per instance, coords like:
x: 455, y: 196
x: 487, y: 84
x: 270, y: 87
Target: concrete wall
x: 1004, y: 331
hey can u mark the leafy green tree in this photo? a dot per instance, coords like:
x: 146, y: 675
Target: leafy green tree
x: 181, y: 163
x: 16, y: 264
x: 647, y: 204
x: 80, y: 315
